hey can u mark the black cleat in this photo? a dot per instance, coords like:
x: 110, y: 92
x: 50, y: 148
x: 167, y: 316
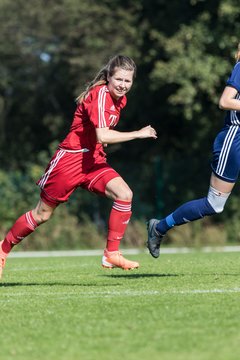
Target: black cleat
x: 154, y: 238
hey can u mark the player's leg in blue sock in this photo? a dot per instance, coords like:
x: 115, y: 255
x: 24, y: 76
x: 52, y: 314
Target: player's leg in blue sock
x: 194, y: 210
x: 190, y: 211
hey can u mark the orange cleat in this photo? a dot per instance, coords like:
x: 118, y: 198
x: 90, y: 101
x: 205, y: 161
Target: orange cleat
x: 114, y: 259
x: 2, y: 259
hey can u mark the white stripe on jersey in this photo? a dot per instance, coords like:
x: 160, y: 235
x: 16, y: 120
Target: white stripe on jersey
x: 96, y: 178
x: 53, y: 164
x: 101, y: 107
x: 74, y: 151
x: 233, y: 114
x: 223, y: 157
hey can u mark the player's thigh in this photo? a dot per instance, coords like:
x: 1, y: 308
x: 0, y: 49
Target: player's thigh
x: 62, y: 176
x: 104, y: 180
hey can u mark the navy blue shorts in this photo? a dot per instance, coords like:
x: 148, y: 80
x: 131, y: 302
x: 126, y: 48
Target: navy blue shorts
x: 226, y: 154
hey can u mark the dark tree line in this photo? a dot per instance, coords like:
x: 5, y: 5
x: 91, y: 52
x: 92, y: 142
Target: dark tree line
x: 50, y: 49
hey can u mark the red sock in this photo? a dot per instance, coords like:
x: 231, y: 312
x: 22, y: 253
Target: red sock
x: 24, y: 226
x: 118, y: 220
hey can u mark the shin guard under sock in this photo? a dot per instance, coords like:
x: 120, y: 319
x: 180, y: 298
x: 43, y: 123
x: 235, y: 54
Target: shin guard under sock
x: 118, y: 220
x: 24, y: 226
x: 190, y: 211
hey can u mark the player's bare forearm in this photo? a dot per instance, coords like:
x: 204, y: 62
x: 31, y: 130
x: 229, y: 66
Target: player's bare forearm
x: 108, y: 136
x: 228, y: 99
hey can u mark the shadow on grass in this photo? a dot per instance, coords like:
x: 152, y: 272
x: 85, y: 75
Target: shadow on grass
x: 115, y: 276
x: 135, y: 276
x: 53, y: 284
x: 125, y: 276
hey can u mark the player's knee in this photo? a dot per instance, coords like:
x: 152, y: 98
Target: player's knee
x: 125, y: 195
x: 45, y: 216
x: 217, y: 199
x: 128, y: 195
x: 42, y: 216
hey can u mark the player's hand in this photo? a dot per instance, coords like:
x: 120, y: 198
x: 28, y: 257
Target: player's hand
x: 147, y: 132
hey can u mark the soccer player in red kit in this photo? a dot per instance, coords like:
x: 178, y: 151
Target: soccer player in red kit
x: 80, y: 161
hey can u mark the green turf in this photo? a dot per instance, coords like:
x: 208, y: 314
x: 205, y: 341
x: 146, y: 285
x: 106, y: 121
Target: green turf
x: 179, y: 307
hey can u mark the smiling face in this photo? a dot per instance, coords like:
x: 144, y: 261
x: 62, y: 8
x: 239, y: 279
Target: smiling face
x: 120, y: 82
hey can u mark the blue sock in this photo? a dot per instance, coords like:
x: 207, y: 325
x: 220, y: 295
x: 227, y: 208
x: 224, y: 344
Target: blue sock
x: 190, y: 211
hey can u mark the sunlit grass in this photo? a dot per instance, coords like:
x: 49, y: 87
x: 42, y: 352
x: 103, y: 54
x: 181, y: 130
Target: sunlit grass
x: 183, y: 306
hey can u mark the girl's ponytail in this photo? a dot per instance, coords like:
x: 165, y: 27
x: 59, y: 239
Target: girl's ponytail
x: 118, y: 61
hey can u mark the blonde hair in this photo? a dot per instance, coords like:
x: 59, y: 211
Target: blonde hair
x: 118, y: 61
x: 237, y: 55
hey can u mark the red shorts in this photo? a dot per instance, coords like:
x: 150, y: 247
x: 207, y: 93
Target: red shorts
x: 67, y: 171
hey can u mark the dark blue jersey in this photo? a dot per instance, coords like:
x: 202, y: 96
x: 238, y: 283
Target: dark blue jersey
x: 233, y: 116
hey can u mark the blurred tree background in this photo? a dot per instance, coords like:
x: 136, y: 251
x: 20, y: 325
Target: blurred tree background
x: 184, y: 51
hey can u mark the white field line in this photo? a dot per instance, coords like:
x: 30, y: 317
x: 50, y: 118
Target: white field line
x: 67, y: 253
x: 109, y: 294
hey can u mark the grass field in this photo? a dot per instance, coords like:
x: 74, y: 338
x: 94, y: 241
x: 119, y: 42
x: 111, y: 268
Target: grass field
x: 178, y: 307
